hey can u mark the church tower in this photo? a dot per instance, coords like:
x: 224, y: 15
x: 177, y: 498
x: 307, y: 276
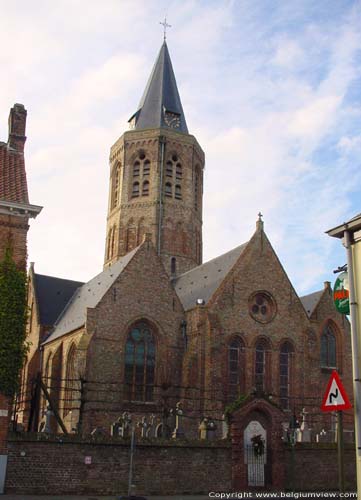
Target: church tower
x: 156, y: 178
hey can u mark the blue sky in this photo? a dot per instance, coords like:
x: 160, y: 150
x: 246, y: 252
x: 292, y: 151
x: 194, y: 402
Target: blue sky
x: 271, y: 90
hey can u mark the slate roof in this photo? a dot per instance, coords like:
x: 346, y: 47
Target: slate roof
x: 202, y: 281
x: 88, y: 295
x: 13, y: 185
x: 310, y: 301
x: 53, y: 294
x: 160, y: 95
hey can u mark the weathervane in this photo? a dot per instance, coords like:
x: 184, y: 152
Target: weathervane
x: 165, y: 26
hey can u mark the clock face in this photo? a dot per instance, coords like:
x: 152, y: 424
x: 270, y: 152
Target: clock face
x: 172, y: 119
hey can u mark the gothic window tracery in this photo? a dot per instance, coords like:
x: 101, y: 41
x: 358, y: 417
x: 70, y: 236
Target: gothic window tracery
x: 141, y: 175
x: 140, y: 363
x: 328, y: 347
x: 236, y: 368
x: 285, y: 370
x: 174, y: 172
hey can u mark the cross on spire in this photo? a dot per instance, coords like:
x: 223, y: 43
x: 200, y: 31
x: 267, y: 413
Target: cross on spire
x: 260, y: 215
x: 165, y: 26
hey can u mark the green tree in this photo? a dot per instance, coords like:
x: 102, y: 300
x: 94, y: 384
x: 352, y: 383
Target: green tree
x: 13, y: 347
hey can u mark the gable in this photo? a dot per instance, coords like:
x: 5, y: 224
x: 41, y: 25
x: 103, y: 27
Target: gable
x: 88, y: 295
x: 311, y: 301
x: 52, y: 295
x: 258, y: 269
x: 143, y: 288
x: 202, y: 281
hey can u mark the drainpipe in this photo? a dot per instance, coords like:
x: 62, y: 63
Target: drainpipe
x: 355, y: 355
x: 162, y: 142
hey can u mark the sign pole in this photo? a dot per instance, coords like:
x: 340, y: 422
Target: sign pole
x: 336, y: 399
x: 130, y: 478
x: 340, y: 452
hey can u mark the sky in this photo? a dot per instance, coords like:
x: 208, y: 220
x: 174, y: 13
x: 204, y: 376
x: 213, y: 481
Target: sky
x: 270, y: 89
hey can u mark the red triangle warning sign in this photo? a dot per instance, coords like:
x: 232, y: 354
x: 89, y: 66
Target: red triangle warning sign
x: 335, y: 397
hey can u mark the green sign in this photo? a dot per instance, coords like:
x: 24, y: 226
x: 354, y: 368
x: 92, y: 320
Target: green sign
x: 341, y: 294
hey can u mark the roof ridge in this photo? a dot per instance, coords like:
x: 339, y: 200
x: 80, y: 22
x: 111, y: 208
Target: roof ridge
x: 57, y: 278
x: 211, y: 260
x: 108, y: 272
x: 308, y: 294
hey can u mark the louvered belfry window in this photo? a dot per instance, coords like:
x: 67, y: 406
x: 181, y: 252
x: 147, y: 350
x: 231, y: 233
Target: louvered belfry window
x: 139, y: 363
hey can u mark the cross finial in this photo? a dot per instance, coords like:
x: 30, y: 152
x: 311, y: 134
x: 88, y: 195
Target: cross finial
x: 165, y: 26
x: 260, y: 216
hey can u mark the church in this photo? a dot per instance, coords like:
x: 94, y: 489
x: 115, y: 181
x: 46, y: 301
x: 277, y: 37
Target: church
x: 158, y: 331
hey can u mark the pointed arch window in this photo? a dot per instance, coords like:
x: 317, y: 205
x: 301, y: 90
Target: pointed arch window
x: 109, y: 243
x: 285, y: 370
x: 140, y: 363
x: 115, y: 186
x: 236, y: 369
x: 196, y: 188
x: 145, y: 188
x: 261, y: 365
x: 70, y: 381
x: 168, y: 189
x: 178, y: 192
x: 328, y: 347
x: 46, y: 378
x: 112, y: 244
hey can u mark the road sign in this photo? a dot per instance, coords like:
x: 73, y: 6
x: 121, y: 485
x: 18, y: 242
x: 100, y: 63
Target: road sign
x: 335, y: 397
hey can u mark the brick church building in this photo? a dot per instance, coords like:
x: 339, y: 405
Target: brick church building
x: 157, y: 326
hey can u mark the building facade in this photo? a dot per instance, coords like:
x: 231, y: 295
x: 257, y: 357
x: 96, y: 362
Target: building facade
x: 157, y: 327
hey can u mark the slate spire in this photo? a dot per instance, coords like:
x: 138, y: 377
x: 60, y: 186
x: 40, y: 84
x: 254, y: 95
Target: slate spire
x: 160, y: 105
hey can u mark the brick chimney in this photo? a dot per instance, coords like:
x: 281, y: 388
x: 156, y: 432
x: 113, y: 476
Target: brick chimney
x: 17, y: 125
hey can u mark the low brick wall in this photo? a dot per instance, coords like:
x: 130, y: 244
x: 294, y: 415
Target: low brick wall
x: 57, y: 465
x: 316, y: 467
x: 40, y: 465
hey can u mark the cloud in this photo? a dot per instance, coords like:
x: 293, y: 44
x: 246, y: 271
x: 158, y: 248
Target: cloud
x: 272, y: 97
x: 288, y: 54
x: 314, y: 119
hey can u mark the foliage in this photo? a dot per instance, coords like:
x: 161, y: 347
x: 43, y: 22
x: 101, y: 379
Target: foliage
x: 235, y: 405
x: 258, y: 445
x: 13, y: 348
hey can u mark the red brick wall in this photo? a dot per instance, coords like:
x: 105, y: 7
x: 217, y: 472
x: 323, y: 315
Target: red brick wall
x: 44, y: 465
x: 13, y: 232
x: 4, y: 423
x: 316, y: 467
x: 50, y: 466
